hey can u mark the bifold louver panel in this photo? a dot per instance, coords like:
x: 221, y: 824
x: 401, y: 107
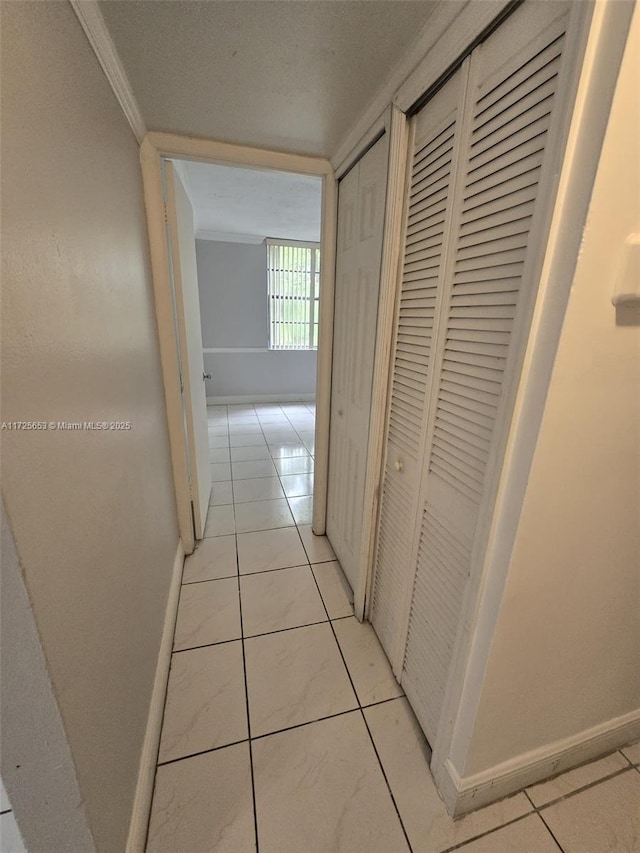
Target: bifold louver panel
x: 439, y: 585
x: 427, y: 213
x: 393, y: 550
x: 429, y: 192
x: 509, y: 130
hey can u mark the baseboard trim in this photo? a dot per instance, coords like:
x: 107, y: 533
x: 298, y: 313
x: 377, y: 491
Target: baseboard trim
x: 261, y: 398
x: 136, y: 841
x: 462, y: 795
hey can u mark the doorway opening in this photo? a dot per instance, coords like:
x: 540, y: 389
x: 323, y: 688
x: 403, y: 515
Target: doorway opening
x: 256, y: 258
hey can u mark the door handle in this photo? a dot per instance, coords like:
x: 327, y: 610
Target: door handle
x: 206, y: 376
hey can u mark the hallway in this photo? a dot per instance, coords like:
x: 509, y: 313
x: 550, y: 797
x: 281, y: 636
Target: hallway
x: 280, y: 704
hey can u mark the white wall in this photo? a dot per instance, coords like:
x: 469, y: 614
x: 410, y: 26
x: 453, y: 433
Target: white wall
x: 232, y: 278
x: 92, y: 513
x: 566, y: 652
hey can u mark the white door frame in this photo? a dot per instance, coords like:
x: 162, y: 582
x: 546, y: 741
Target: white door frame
x: 154, y: 147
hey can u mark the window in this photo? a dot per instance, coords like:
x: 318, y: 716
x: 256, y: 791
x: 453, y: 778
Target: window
x: 293, y: 286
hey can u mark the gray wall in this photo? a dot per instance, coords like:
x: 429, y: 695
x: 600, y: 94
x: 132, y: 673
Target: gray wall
x: 232, y: 278
x: 92, y: 513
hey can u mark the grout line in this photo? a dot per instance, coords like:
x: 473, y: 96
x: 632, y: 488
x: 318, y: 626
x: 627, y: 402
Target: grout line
x: 353, y: 710
x: 388, y: 784
x: 206, y: 646
x: 208, y: 580
x: 200, y: 752
x: 277, y: 631
x: 626, y: 758
x: 246, y: 698
x: 549, y: 830
x: 583, y: 788
x: 484, y: 834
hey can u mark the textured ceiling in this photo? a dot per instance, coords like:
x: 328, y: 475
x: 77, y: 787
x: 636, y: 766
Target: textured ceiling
x: 254, y: 203
x: 287, y: 74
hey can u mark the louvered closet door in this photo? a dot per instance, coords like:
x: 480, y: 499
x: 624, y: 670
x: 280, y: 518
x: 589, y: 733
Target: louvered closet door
x: 361, y: 205
x: 479, y: 149
x: 511, y: 95
x: 430, y: 187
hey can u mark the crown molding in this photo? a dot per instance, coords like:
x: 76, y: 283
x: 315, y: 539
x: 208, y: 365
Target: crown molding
x: 224, y: 237
x: 95, y: 29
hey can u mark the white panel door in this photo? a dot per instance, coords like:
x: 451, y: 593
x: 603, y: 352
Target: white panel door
x: 361, y: 204
x: 185, y: 280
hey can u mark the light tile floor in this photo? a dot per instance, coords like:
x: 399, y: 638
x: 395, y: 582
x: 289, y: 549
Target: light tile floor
x: 284, y: 729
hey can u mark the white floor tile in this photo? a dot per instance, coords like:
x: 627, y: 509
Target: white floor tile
x: 273, y: 419
x: 633, y: 752
x: 219, y: 455
x: 253, y: 428
x: 602, y: 819
x: 267, y: 409
x: 306, y: 431
x: 10, y: 838
x: 221, y: 493
x: 279, y: 433
x: 263, y: 515
x: 285, y: 598
x: 246, y: 417
x: 334, y: 588
x: 573, y: 780
x: 318, y: 548
x: 302, y: 509
x: 528, y: 835
x: 270, y: 549
x: 208, y: 612
x: 251, y: 453
x: 247, y: 440
x: 405, y: 757
x: 220, y: 471
x: 319, y: 789
x: 259, y: 489
x: 220, y: 521
x: 294, y: 465
x: 253, y: 469
x: 204, y: 804
x: 240, y: 408
x: 366, y: 661
x: 218, y: 430
x: 219, y: 440
x: 295, y: 677
x: 213, y: 558
x: 286, y: 450
x: 206, y: 705
x: 297, y: 485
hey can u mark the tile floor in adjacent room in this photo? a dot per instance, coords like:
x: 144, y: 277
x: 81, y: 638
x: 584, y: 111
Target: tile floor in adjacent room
x: 282, y: 715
